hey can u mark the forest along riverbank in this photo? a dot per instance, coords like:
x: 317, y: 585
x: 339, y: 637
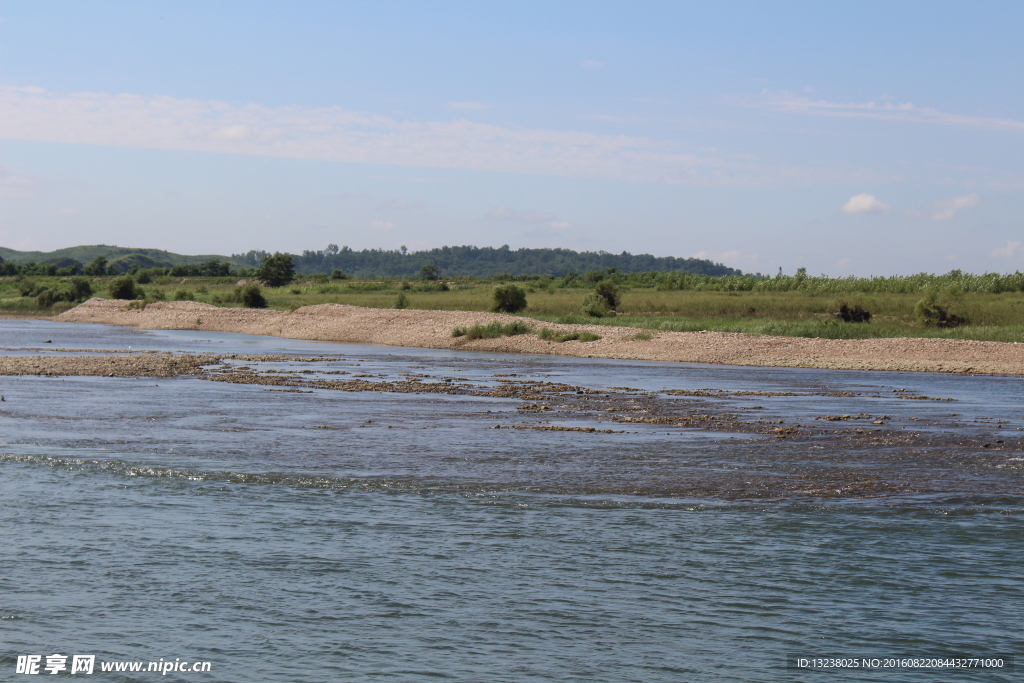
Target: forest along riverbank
x: 433, y: 329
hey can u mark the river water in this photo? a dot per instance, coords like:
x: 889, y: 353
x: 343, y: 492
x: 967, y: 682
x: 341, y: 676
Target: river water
x: 305, y: 534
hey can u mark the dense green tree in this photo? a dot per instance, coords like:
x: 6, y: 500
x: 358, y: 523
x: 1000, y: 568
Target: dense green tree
x: 97, y: 267
x: 277, y: 270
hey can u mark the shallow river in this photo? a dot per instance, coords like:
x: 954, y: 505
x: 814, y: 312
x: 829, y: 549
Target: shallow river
x: 293, y: 533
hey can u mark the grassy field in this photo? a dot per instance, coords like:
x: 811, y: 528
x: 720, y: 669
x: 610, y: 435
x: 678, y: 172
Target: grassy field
x: 992, y: 316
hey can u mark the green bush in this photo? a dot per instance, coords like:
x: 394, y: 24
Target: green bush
x: 250, y: 296
x: 853, y: 314
x: 48, y: 297
x: 549, y: 335
x: 595, y: 306
x: 401, y: 301
x: 29, y: 288
x: 492, y: 330
x: 338, y: 274
x: 930, y: 312
x: 184, y: 295
x: 609, y: 292
x: 80, y: 289
x: 157, y: 295
x: 143, y: 277
x: 123, y: 288
x: 508, y: 299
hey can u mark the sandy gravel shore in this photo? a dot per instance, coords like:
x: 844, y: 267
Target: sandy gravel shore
x: 433, y: 329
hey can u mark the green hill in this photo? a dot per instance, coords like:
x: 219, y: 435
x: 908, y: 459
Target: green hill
x: 122, y: 257
x: 483, y: 262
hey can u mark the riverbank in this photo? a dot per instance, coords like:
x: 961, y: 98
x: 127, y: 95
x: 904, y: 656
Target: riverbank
x: 433, y: 329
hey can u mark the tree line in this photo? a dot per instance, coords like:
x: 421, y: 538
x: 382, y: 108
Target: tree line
x: 482, y: 262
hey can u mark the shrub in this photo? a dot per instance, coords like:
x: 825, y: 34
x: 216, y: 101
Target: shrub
x: 492, y: 330
x: 80, y: 289
x: 29, y: 288
x: 595, y: 306
x: 157, y: 295
x: 48, y: 297
x: 428, y: 272
x: 401, y: 301
x: 123, y: 288
x: 929, y: 312
x: 338, y: 274
x: 853, y: 314
x: 296, y: 291
x: 250, y: 296
x: 201, y: 289
x: 143, y: 277
x: 609, y: 291
x: 642, y: 336
x: 548, y: 335
x: 508, y: 299
x: 184, y: 295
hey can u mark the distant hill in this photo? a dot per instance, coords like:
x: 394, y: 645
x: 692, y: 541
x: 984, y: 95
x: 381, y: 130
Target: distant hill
x: 122, y: 258
x: 450, y: 261
x: 485, y: 262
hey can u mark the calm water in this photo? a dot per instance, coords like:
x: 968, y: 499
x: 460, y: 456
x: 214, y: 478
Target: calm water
x: 333, y: 535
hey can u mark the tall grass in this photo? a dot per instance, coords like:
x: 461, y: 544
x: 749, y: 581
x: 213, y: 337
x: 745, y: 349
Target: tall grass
x: 788, y: 305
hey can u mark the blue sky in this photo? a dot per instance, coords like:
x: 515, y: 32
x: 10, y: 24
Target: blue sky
x: 848, y: 138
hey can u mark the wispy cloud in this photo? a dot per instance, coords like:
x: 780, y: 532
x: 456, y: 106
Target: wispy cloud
x: 1011, y: 250
x: 946, y: 209
x: 864, y: 203
x: 382, y: 225
x: 787, y: 102
x: 336, y: 134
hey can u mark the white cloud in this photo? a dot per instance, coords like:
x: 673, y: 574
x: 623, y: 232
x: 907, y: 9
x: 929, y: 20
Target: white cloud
x: 233, y: 133
x: 1011, y: 251
x: 591, y: 64
x: 560, y: 225
x: 336, y: 134
x: 382, y: 225
x: 864, y: 203
x: 787, y: 102
x: 946, y: 209
x: 476, y: 106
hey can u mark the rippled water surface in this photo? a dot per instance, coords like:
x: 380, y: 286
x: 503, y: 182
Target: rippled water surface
x: 306, y: 534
